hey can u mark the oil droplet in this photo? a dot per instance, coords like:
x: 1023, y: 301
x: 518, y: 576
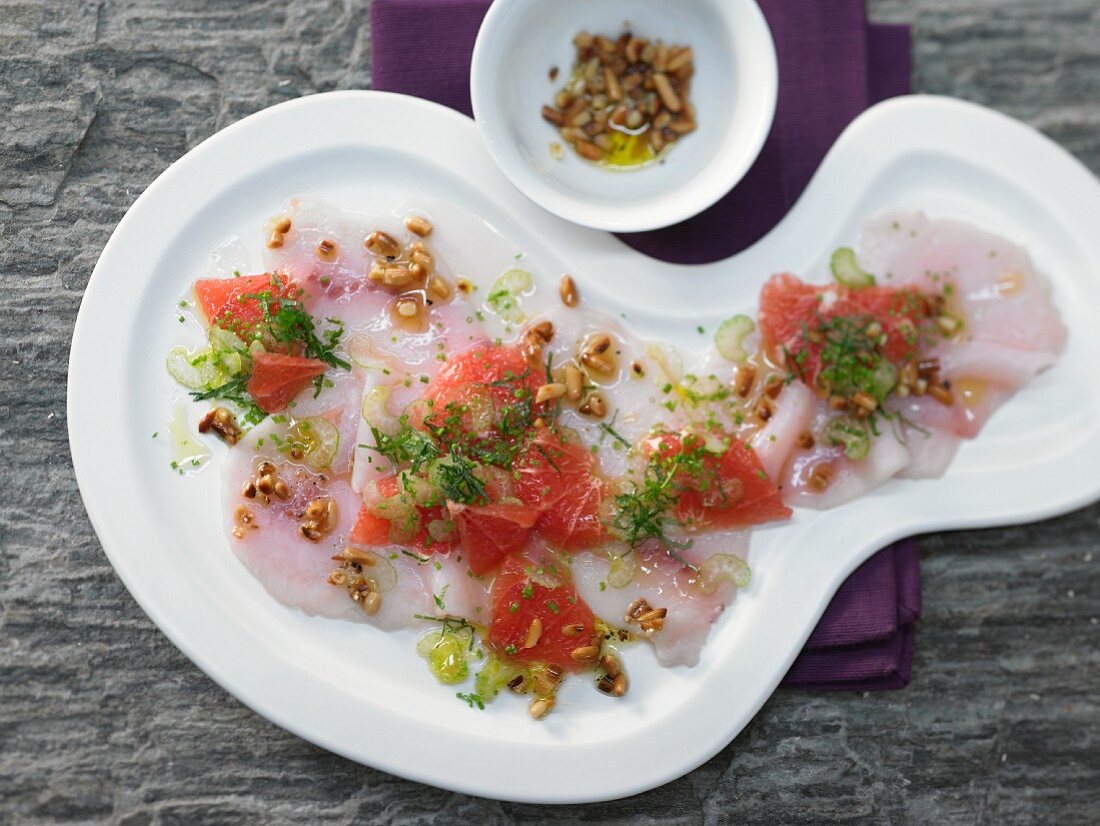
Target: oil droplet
x: 971, y: 391
x: 626, y: 151
x: 188, y: 454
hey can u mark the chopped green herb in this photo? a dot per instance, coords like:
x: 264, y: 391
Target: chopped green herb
x: 472, y: 700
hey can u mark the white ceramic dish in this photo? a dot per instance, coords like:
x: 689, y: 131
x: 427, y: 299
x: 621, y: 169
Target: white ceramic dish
x: 734, y: 91
x: 163, y: 533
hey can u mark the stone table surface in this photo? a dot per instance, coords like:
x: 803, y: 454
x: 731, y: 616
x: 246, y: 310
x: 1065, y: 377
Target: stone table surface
x: 101, y: 719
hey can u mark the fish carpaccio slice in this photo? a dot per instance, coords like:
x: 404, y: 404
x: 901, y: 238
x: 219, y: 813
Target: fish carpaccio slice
x: 663, y: 582
x: 1010, y: 331
x: 1011, y: 328
x: 294, y: 569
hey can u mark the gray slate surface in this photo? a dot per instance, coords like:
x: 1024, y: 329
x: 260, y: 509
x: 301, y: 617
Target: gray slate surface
x: 101, y: 719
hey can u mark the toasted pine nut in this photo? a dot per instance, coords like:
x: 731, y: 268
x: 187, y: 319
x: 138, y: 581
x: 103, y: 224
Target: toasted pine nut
x: 574, y: 630
x: 595, y: 405
x: 394, y: 276
x: 440, y: 287
x: 611, y: 664
x: 568, y: 290
x: 534, y: 631
x: 668, y: 95
x: 604, y: 44
x: 552, y: 115
x: 942, y: 394
x: 382, y: 243
x: 660, y: 59
x: 358, y: 555
x: 540, y: 707
x: 549, y: 392
x: 574, y: 382
x: 601, y: 364
x: 611, y: 84
x: 588, y: 150
x: 620, y: 685
x: 407, y: 308
x: 652, y: 614
x: 820, y: 477
x: 418, y: 225
x: 582, y: 119
x: 282, y: 225
x: 573, y: 135
x: 275, y: 240
x: 866, y: 401
x: 599, y: 343
x: 544, y: 330
x: 576, y: 107
x: 371, y: 603
x: 680, y: 59
x: 585, y: 652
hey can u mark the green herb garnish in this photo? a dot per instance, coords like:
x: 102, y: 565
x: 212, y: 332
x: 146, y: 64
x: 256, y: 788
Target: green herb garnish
x: 472, y: 700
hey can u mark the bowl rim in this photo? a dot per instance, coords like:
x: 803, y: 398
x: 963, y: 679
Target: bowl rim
x: 699, y: 193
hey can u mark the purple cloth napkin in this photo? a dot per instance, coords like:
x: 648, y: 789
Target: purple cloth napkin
x: 832, y: 66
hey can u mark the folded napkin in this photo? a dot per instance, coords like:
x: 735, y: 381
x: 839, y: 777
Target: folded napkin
x: 832, y: 66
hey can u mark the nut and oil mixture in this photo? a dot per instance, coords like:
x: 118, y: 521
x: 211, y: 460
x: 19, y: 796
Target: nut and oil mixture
x: 626, y: 100
x: 532, y: 496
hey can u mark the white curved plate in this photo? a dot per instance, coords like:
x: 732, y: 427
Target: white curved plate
x: 365, y: 694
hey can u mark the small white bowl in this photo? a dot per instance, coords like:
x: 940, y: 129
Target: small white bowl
x: 733, y: 90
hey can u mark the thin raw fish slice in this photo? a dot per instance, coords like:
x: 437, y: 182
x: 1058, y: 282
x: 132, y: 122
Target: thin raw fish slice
x: 663, y: 583
x: 293, y: 569
x: 850, y: 479
x: 339, y: 271
x: 1010, y: 332
x: 1011, y: 328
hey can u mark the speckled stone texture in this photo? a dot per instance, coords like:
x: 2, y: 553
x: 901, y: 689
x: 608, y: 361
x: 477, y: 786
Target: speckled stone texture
x: 102, y: 720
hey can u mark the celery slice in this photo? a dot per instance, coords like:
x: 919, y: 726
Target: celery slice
x: 846, y: 269
x: 319, y: 440
x: 723, y: 567
x: 730, y: 336
x: 503, y: 298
